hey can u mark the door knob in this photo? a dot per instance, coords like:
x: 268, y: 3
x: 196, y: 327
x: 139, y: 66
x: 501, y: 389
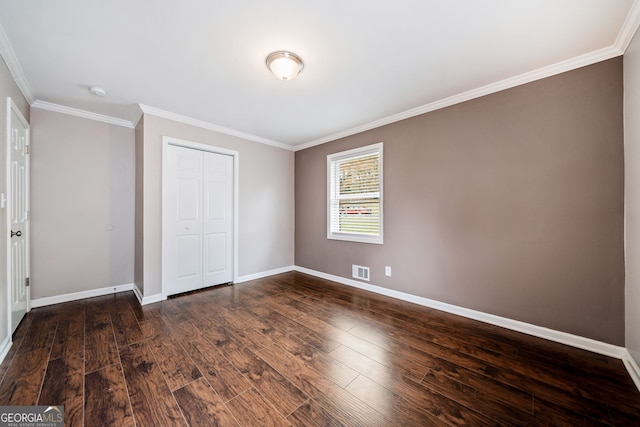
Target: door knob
x: 16, y: 233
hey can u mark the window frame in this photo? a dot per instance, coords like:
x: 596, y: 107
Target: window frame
x: 346, y: 155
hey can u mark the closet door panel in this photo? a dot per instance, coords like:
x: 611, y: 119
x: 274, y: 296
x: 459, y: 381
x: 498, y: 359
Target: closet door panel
x: 184, y: 219
x: 218, y: 218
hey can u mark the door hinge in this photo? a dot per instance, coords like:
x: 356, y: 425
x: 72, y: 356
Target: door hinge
x: 27, y: 149
x: 26, y: 282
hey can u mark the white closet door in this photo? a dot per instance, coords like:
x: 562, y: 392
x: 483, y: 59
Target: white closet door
x: 184, y: 219
x: 218, y: 219
x: 199, y: 219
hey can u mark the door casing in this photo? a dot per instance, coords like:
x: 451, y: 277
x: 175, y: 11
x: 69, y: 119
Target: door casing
x: 166, y: 141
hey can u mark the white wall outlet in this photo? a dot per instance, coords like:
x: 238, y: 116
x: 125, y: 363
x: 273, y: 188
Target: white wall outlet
x: 387, y: 271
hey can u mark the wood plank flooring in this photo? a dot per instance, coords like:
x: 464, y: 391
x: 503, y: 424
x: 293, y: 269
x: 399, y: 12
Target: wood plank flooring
x: 293, y: 349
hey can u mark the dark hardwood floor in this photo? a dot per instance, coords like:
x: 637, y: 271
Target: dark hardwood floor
x: 292, y: 349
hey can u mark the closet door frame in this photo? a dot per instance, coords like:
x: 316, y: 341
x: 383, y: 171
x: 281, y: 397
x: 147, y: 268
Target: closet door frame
x: 166, y: 142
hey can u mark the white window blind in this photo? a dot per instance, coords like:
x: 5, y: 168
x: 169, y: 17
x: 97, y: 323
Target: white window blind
x: 354, y: 189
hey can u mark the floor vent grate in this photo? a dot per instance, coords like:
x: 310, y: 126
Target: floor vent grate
x: 360, y: 272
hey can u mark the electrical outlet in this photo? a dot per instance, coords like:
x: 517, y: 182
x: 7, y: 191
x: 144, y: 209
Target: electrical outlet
x: 387, y: 271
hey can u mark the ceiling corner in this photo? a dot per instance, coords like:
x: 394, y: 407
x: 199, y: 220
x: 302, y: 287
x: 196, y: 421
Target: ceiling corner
x: 63, y: 109
x: 9, y: 56
x: 153, y: 111
x: 629, y: 28
x: 138, y: 115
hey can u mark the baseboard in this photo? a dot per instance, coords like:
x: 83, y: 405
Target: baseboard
x: 632, y: 367
x: 4, y: 348
x: 138, y: 293
x: 264, y: 274
x: 74, y: 296
x: 516, y: 325
x: 146, y: 300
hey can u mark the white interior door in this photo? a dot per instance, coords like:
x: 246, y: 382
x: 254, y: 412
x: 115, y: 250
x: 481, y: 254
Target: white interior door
x: 218, y: 218
x: 18, y: 212
x: 198, y: 201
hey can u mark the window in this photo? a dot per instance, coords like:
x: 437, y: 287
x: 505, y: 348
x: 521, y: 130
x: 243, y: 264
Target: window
x: 354, y: 195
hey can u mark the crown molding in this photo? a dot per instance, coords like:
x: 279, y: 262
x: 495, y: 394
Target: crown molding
x: 137, y: 117
x: 541, y: 73
x: 210, y: 126
x: 626, y: 34
x: 82, y: 113
x: 9, y: 56
x: 629, y: 28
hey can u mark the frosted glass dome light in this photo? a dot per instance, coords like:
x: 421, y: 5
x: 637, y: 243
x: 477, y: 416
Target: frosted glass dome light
x: 284, y: 65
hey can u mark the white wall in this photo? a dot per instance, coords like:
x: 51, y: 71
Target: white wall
x: 139, y: 207
x: 266, y: 217
x: 632, y: 196
x: 8, y: 88
x: 82, y: 209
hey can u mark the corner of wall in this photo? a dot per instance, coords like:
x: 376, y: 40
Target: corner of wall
x: 5, y: 347
x: 631, y: 63
x: 632, y: 368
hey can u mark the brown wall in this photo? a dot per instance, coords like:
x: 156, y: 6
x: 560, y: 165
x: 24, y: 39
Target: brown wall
x: 510, y: 204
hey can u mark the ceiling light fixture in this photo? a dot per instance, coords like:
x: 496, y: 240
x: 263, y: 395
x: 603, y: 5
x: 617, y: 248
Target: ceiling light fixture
x: 284, y: 65
x: 97, y: 90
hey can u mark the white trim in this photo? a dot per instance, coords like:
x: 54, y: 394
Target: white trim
x: 210, y: 126
x: 74, y: 296
x: 5, y: 347
x: 332, y: 160
x: 138, y: 293
x: 627, y: 31
x: 515, y: 325
x: 146, y: 300
x: 6, y: 50
x: 153, y: 299
x: 262, y: 274
x: 240, y: 279
x: 43, y: 105
x: 136, y: 119
x: 629, y: 28
x: 632, y: 367
x: 168, y: 140
x: 551, y: 70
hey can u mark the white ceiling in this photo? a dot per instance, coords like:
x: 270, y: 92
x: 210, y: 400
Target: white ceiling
x: 367, y: 62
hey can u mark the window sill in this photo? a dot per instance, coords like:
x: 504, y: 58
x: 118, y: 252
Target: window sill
x: 376, y: 240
